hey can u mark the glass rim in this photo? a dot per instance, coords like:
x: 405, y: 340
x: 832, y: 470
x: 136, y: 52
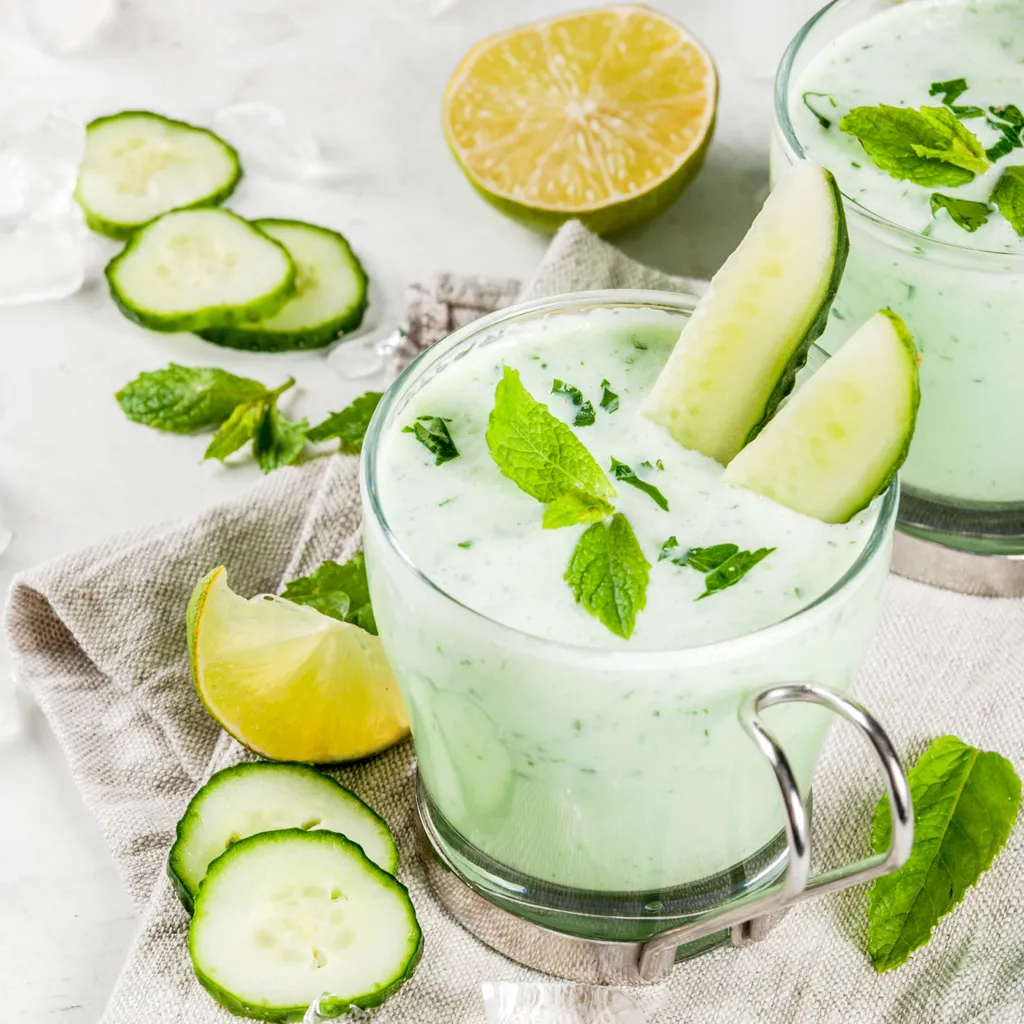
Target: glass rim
x: 795, y: 150
x: 718, y: 650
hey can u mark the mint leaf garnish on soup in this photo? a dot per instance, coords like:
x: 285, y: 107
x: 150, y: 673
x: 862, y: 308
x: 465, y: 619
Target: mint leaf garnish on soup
x: 1008, y: 196
x: 732, y: 570
x: 928, y: 146
x: 609, y: 400
x: 966, y: 213
x: 709, y: 559
x: 348, y: 426
x: 624, y: 473
x: 674, y: 550
x: 949, y: 92
x: 340, y: 591
x: 965, y: 805
x: 608, y: 574
x: 543, y: 457
x: 585, y: 414
x: 432, y: 433
x: 824, y: 121
x: 1010, y: 113
x: 184, y: 399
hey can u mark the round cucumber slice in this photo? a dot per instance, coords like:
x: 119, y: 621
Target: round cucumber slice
x: 739, y: 354
x: 138, y: 165
x: 842, y: 436
x: 330, y: 293
x: 260, y: 796
x: 286, y: 916
x: 193, y: 269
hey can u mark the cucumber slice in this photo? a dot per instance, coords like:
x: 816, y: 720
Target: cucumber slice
x: 739, y: 354
x: 138, y: 165
x: 329, y: 299
x: 259, y: 796
x: 286, y: 916
x: 842, y: 436
x: 193, y: 269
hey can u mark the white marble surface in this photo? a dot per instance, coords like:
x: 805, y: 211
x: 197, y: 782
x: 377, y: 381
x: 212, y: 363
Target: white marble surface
x: 367, y: 78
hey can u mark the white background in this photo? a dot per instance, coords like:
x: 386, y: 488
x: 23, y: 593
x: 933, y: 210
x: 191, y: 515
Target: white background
x: 366, y: 76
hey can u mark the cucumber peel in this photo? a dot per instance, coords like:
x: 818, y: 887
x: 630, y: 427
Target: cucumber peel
x: 330, y: 293
x: 738, y: 355
x: 189, y: 270
x: 138, y: 165
x: 283, y: 917
x: 840, y: 439
x: 260, y: 796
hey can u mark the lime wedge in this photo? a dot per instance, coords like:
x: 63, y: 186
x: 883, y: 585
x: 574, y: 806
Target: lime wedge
x: 739, y: 353
x: 842, y: 436
x: 290, y: 683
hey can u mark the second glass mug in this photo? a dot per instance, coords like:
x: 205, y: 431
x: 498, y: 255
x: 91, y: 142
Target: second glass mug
x: 603, y: 793
x: 963, y: 481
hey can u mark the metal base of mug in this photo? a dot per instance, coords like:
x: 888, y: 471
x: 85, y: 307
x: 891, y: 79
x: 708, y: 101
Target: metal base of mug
x: 744, y: 919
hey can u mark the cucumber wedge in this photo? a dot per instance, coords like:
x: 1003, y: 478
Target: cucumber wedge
x: 329, y: 298
x: 138, y: 165
x: 842, y: 436
x: 193, y: 269
x: 739, y: 354
x: 286, y: 916
x: 260, y: 796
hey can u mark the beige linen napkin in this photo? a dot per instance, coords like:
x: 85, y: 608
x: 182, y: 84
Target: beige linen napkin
x: 98, y: 637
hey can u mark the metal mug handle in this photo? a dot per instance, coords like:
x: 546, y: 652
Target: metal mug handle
x: 748, y: 916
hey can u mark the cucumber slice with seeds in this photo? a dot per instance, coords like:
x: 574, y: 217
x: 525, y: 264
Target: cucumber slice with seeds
x: 841, y: 437
x: 739, y: 354
x: 193, y: 269
x: 329, y: 299
x: 286, y: 916
x: 138, y: 165
x: 261, y: 796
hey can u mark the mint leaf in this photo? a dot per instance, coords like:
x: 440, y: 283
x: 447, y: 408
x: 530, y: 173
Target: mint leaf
x: 340, y: 591
x: 608, y: 574
x: 184, y: 399
x: 709, y: 559
x: 586, y: 416
x: 349, y: 425
x: 950, y: 91
x: 609, y: 400
x: 575, y: 507
x: 965, y: 804
x: 278, y: 441
x: 239, y: 429
x: 541, y: 455
x: 966, y: 213
x: 824, y: 121
x: 432, y: 433
x: 1006, y: 144
x: 623, y: 472
x: 1008, y: 196
x: 732, y: 570
x: 1010, y: 113
x: 672, y: 549
x: 927, y: 146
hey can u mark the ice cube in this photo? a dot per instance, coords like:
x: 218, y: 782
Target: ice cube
x: 268, y: 141
x: 63, y: 26
x: 41, y: 260
x: 364, y: 354
x: 512, y: 1003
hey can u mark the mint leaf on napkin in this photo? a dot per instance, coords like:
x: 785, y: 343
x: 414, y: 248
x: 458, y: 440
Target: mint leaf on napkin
x: 927, y: 146
x: 965, y: 804
x: 1008, y: 195
x: 542, y: 456
x: 608, y: 574
x: 184, y: 399
x: 340, y: 591
x: 966, y: 213
x: 348, y: 426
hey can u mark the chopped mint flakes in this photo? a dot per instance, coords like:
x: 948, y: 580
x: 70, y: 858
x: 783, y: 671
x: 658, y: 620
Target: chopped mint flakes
x: 1010, y: 114
x: 709, y: 559
x: 928, y: 146
x: 673, y: 550
x: 722, y: 564
x: 609, y: 400
x: 432, y: 433
x: 1008, y: 196
x: 949, y: 92
x: 585, y: 414
x: 966, y: 213
x: 824, y: 121
x: 732, y: 570
x: 624, y: 473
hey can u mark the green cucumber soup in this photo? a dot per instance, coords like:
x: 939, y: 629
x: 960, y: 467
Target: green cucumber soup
x: 958, y: 290
x: 552, y: 751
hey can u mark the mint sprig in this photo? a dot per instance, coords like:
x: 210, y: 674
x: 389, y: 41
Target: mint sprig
x: 965, y: 805
x: 543, y: 457
x: 1008, y: 197
x: 608, y: 574
x: 928, y: 146
x: 965, y: 213
x: 626, y: 474
x: 349, y: 425
x: 340, y: 591
x: 585, y: 415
